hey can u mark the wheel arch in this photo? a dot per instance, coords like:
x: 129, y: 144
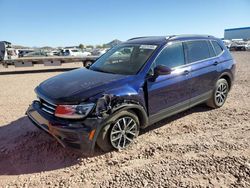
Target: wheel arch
x: 228, y: 78
x: 138, y: 110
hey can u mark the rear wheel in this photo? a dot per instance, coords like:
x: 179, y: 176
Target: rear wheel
x: 219, y: 94
x: 120, y: 133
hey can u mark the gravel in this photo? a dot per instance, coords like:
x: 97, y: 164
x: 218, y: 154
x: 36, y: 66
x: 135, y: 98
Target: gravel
x: 196, y: 148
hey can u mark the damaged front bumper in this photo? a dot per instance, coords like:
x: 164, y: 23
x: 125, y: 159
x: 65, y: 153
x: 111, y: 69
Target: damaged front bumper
x: 80, y: 135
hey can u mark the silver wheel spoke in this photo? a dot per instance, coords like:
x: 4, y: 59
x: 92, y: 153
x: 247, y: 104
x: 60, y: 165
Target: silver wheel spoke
x: 130, y: 140
x: 115, y: 132
x: 129, y: 132
x: 132, y: 127
x: 221, y: 98
x: 129, y: 122
x: 119, y: 126
x: 118, y: 145
x: 223, y: 95
x: 124, y: 122
x: 117, y: 138
x: 124, y: 141
x: 224, y: 88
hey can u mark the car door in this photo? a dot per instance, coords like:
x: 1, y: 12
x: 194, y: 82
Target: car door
x: 204, y: 68
x: 170, y: 93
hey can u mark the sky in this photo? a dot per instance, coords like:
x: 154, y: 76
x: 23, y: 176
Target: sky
x: 71, y: 22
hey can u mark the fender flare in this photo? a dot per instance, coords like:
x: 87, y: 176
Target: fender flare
x: 229, y: 75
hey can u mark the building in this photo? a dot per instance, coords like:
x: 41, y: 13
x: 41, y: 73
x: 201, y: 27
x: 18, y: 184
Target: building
x: 237, y: 33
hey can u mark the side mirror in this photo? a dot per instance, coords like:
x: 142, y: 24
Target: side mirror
x: 161, y: 70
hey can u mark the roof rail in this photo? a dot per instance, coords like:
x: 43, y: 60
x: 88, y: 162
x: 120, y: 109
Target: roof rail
x: 136, y: 38
x: 167, y: 37
x: 170, y: 36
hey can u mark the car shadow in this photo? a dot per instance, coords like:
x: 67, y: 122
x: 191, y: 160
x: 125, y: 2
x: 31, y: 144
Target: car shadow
x: 25, y: 149
x: 198, y: 108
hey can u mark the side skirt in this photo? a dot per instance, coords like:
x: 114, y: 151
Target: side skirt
x: 179, y: 107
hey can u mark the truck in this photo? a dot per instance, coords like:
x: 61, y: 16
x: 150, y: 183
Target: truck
x: 7, y: 51
x: 9, y: 56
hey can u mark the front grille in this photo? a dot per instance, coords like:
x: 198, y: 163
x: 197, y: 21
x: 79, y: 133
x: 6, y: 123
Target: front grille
x: 47, y: 106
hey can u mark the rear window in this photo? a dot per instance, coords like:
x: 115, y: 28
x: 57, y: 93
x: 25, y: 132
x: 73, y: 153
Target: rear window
x: 197, y: 50
x: 217, y: 47
x: 211, y: 50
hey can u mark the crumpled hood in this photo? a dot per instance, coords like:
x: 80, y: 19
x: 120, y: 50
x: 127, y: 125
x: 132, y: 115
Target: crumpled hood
x: 78, y: 85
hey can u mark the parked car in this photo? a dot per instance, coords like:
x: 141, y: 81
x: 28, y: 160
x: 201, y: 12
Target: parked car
x: 76, y: 53
x: 22, y: 52
x: 99, y: 52
x: 248, y: 45
x: 53, y: 53
x: 227, y: 43
x: 238, y: 45
x: 37, y: 53
x: 7, y: 51
x: 109, y: 102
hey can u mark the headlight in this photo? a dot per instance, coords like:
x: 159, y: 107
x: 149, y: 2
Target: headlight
x: 73, y: 111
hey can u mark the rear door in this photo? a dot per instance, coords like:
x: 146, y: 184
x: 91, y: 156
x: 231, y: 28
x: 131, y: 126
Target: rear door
x: 204, y: 68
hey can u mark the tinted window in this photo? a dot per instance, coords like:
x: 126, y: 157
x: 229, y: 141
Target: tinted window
x: 197, y: 50
x: 217, y: 47
x: 211, y: 50
x: 171, y: 56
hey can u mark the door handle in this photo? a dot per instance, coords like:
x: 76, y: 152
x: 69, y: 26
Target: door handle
x: 215, y: 63
x: 186, y: 72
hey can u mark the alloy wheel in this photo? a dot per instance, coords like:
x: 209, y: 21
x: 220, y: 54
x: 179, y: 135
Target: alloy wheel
x: 123, y: 132
x: 221, y: 94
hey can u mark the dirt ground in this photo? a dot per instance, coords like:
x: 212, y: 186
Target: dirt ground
x: 196, y: 148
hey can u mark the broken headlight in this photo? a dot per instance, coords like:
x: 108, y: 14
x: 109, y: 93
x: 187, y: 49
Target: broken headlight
x: 73, y: 111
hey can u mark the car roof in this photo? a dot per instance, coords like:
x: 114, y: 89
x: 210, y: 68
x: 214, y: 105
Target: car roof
x: 158, y: 40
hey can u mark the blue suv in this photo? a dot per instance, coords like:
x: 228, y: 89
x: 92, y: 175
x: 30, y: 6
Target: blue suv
x: 132, y: 86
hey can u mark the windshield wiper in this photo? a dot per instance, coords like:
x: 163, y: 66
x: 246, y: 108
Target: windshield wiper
x: 100, y: 70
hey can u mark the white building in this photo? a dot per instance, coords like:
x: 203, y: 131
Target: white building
x: 237, y: 33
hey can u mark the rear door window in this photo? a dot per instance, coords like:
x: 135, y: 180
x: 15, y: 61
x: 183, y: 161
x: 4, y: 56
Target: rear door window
x: 217, y: 48
x: 172, y: 56
x: 197, y: 50
x: 211, y: 49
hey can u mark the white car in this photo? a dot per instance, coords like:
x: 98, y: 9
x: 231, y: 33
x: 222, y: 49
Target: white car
x: 248, y: 45
x: 76, y: 53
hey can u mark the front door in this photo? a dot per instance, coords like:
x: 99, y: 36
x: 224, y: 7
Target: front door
x: 170, y: 93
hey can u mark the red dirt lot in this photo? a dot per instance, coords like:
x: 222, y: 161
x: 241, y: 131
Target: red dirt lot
x: 200, y: 147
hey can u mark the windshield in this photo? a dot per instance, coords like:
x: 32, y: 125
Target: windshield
x: 123, y: 59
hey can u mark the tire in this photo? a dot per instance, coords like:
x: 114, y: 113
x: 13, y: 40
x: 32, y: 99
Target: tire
x: 87, y: 63
x: 219, y: 95
x: 110, y: 137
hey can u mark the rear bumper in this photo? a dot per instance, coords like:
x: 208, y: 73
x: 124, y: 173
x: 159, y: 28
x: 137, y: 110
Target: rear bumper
x: 68, y: 133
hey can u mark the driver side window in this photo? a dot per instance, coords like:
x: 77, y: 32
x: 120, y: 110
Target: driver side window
x: 172, y: 56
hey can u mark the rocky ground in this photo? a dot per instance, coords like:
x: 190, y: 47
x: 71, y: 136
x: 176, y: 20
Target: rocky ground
x: 196, y: 148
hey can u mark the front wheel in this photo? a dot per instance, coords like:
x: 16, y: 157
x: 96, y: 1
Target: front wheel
x: 220, y: 93
x: 120, y: 133
x: 87, y: 63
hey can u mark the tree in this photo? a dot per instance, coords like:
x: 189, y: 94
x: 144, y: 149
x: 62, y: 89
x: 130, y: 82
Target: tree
x: 81, y: 46
x: 98, y: 46
x: 89, y: 46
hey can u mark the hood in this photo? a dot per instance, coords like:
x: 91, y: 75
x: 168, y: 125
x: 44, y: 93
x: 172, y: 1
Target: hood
x: 78, y: 85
